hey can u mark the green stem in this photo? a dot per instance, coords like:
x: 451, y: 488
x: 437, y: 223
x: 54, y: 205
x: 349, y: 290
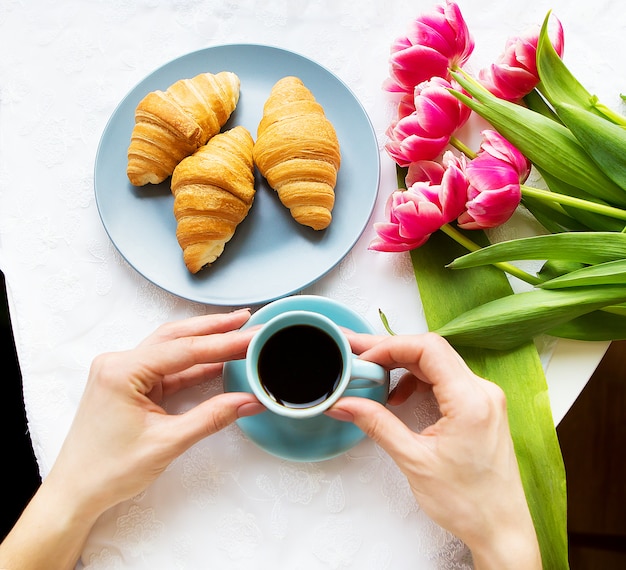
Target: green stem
x: 611, y: 115
x: 566, y: 200
x: 467, y: 151
x: 385, y: 322
x: 468, y: 244
x: 470, y: 79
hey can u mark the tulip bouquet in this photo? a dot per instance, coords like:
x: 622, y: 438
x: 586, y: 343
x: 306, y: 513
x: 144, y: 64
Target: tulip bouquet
x: 540, y: 120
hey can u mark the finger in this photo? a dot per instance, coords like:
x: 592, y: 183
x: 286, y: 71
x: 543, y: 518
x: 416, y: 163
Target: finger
x: 428, y: 355
x: 198, y: 326
x: 150, y: 364
x: 361, y: 342
x: 431, y: 359
x: 379, y: 424
x: 191, y: 377
x: 213, y: 415
x: 407, y: 385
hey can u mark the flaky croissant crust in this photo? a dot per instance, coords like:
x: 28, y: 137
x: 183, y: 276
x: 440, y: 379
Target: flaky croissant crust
x: 170, y: 125
x: 213, y: 192
x: 298, y: 152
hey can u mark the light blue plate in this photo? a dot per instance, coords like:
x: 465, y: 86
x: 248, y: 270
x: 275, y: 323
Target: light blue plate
x: 313, y: 439
x: 270, y: 255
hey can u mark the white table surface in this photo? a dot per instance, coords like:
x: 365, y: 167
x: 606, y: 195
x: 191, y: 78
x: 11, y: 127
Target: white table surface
x: 64, y: 66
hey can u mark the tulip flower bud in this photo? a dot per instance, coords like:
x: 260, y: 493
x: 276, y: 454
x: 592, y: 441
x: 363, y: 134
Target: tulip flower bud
x: 514, y: 74
x: 496, y: 145
x: 493, y: 194
x: 436, y: 42
x: 416, y: 213
x: 424, y: 171
x: 424, y: 134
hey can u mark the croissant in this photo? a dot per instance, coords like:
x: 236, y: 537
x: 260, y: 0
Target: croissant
x: 213, y: 192
x: 171, y: 125
x: 298, y: 153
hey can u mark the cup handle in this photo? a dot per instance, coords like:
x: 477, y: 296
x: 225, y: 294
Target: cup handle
x: 366, y: 374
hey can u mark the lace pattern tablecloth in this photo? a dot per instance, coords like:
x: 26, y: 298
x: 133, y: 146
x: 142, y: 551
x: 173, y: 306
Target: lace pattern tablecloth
x: 64, y: 66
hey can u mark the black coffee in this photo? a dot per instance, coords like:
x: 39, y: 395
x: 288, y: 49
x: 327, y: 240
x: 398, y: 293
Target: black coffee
x: 300, y: 366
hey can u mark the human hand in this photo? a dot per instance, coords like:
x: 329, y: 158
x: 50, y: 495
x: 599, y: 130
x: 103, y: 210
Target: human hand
x: 121, y: 438
x: 462, y: 470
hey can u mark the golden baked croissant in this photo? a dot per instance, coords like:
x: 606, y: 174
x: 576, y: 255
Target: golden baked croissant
x: 297, y: 151
x: 172, y: 124
x: 213, y: 192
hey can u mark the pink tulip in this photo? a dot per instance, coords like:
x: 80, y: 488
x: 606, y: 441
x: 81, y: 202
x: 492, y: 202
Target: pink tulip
x: 425, y: 171
x: 424, y: 133
x: 412, y: 218
x: 493, y: 194
x: 436, y: 41
x: 416, y: 213
x: 496, y: 145
x: 514, y: 74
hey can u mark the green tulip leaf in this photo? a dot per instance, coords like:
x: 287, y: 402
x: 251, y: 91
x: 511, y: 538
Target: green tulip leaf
x: 555, y: 268
x: 595, y: 326
x: 518, y: 372
x: 603, y: 140
x: 559, y: 86
x: 557, y: 83
x: 546, y: 143
x: 510, y: 321
x: 535, y: 101
x: 609, y: 273
x: 584, y: 247
x: 584, y: 219
x: 552, y: 216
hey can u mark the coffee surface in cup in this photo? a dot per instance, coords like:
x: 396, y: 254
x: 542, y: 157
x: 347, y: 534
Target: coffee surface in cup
x: 300, y: 366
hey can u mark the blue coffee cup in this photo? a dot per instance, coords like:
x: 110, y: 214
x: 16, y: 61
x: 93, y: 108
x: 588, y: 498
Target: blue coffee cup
x: 300, y: 363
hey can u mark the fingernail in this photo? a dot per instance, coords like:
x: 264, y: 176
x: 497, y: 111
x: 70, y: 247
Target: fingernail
x: 250, y: 409
x: 340, y: 415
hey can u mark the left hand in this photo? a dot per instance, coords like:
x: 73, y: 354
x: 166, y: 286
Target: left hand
x: 121, y: 438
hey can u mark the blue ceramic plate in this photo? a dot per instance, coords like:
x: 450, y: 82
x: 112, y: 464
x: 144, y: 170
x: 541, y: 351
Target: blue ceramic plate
x: 313, y: 439
x: 270, y: 255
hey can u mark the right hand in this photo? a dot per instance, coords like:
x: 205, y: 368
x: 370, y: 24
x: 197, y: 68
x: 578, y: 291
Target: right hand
x: 462, y: 469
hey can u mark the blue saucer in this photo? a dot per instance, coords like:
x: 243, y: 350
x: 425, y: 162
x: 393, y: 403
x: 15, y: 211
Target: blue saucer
x: 313, y: 439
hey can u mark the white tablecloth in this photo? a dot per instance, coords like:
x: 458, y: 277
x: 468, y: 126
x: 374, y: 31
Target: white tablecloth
x: 64, y: 66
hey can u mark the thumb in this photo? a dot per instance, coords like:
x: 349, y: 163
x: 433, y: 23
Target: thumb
x: 379, y: 424
x: 213, y: 415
